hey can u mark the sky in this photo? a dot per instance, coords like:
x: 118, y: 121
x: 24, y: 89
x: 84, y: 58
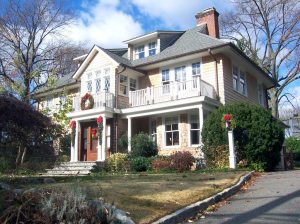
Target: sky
x: 110, y: 22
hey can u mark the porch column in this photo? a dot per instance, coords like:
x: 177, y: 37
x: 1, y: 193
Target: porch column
x: 104, y: 138
x: 129, y: 134
x: 75, y: 159
x: 72, y: 152
x: 201, y: 120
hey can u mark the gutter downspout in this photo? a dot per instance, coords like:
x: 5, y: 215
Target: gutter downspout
x: 216, y: 72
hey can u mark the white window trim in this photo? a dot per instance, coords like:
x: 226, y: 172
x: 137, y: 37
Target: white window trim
x: 189, y: 130
x: 238, y: 90
x: 119, y: 87
x: 164, y: 133
x: 127, y: 85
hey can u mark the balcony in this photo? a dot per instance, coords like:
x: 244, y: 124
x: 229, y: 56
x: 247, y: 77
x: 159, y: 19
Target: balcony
x: 172, y: 91
x: 101, y: 99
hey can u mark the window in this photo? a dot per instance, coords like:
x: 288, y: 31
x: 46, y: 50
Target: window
x: 165, y: 76
x: 107, y: 71
x: 98, y: 85
x: 194, y: 130
x: 180, y: 75
x: 172, y: 131
x: 152, y: 48
x: 49, y: 103
x: 123, y: 84
x: 153, y: 133
x: 235, y: 78
x: 107, y: 83
x: 242, y: 83
x: 62, y: 102
x: 261, y: 95
x: 98, y: 74
x: 196, y: 69
x: 139, y: 52
x: 132, y: 84
x: 89, y: 86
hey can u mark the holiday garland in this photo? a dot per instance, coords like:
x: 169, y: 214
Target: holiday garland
x: 87, y: 102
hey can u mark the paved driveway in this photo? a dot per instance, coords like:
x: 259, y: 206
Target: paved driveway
x: 273, y: 198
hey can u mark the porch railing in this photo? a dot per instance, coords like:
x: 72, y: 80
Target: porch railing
x: 172, y: 91
x: 101, y: 99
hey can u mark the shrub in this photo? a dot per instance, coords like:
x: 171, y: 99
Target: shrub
x: 216, y: 157
x: 161, y: 163
x: 182, y: 161
x: 117, y: 162
x: 140, y: 164
x: 142, y: 145
x: 258, y: 135
x: 293, y: 145
x: 123, y: 143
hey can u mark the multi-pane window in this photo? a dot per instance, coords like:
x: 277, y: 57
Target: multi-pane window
x: 196, y: 69
x: 98, y: 85
x: 123, y: 84
x: 132, y: 84
x: 194, y: 130
x: 107, y: 83
x: 62, y: 102
x: 239, y: 80
x: 152, y: 48
x: 242, y: 83
x: 139, y: 52
x: 180, y: 74
x: 165, y: 76
x: 49, y: 103
x: 172, y: 131
x: 89, y: 86
x: 235, y: 78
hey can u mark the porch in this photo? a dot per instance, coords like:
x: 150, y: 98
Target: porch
x: 170, y: 92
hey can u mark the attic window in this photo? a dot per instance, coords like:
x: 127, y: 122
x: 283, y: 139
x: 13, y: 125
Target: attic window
x: 140, y: 52
x: 152, y: 48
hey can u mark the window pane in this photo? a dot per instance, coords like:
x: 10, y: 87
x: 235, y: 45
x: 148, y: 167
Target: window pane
x: 107, y: 84
x: 168, y: 138
x: 98, y: 85
x: 132, y: 83
x: 152, y: 52
x: 195, y: 137
x: 194, y: 125
x: 196, y: 69
x: 176, y: 138
x: 89, y: 86
x: 174, y: 127
x: 106, y: 71
x: 168, y: 127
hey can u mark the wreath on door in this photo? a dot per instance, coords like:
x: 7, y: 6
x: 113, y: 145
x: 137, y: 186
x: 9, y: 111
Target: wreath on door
x: 87, y: 102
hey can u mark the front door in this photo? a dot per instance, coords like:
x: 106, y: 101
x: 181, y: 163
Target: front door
x: 89, y: 143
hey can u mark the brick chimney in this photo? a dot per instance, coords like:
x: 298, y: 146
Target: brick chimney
x: 209, y: 17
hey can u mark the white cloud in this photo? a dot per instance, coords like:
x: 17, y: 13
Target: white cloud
x: 104, y: 24
x: 179, y: 13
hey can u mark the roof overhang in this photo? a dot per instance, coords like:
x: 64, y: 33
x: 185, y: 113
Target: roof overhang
x: 55, y: 90
x: 95, y: 50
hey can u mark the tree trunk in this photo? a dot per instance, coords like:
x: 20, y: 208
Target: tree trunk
x: 18, y: 156
x: 23, y: 155
x: 274, y: 103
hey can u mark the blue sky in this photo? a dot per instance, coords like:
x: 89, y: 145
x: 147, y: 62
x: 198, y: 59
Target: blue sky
x: 109, y: 22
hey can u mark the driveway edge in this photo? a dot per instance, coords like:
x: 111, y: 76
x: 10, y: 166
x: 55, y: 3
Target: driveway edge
x: 191, y: 210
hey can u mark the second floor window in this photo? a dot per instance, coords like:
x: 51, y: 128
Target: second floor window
x: 123, y: 84
x: 196, y: 69
x: 242, y: 83
x: 261, y: 95
x: 235, y: 78
x: 239, y: 80
x: 152, y: 48
x: 132, y: 84
x: 165, y: 76
x: 180, y: 74
x: 89, y: 86
x: 107, y: 83
x: 97, y: 85
x: 139, y: 52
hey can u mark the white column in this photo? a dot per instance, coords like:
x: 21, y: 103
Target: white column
x: 99, y: 151
x: 72, y: 152
x: 129, y: 134
x: 201, y: 120
x: 75, y: 159
x: 232, y: 158
x: 104, y: 139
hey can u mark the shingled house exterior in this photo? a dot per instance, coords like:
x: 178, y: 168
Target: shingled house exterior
x: 164, y: 83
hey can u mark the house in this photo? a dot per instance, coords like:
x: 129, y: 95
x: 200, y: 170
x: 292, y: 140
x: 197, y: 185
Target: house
x: 164, y: 83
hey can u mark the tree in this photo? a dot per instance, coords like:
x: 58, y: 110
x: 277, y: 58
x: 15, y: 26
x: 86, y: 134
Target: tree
x: 32, y: 50
x: 268, y: 31
x: 22, y: 134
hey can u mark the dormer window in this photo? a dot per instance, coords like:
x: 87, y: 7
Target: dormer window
x: 152, y: 48
x: 140, y: 52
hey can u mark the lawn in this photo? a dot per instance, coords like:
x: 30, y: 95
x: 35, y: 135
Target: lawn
x: 147, y: 197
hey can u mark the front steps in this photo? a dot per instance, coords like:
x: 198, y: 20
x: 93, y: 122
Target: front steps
x: 72, y: 169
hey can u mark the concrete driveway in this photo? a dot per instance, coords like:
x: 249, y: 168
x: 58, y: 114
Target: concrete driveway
x: 273, y: 198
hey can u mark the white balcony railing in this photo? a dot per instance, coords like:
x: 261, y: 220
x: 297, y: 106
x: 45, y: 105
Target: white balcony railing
x: 172, y: 91
x: 101, y: 99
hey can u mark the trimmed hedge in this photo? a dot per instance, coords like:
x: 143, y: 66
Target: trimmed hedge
x: 258, y: 135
